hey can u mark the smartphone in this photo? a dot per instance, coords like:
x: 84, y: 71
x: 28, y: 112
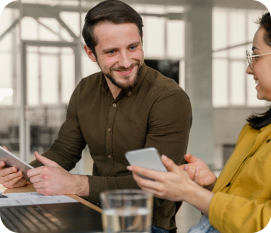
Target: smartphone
x: 147, y: 158
x: 13, y: 161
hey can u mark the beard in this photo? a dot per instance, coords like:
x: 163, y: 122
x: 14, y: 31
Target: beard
x: 129, y: 82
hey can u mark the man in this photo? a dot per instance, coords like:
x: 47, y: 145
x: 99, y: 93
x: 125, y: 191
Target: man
x: 124, y: 107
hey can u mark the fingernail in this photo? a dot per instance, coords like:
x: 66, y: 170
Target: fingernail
x: 197, y: 169
x: 130, y: 168
x: 185, y: 167
x: 164, y: 157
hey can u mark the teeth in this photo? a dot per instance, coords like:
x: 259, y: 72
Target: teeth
x: 256, y: 82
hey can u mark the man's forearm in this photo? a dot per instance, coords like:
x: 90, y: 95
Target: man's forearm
x: 81, y: 186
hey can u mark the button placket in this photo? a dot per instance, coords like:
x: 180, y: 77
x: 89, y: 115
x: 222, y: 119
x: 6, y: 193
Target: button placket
x: 109, y: 135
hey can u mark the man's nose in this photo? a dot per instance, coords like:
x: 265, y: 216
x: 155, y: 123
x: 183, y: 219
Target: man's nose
x: 125, y: 60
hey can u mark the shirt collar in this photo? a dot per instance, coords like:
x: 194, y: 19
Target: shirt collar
x: 266, y: 128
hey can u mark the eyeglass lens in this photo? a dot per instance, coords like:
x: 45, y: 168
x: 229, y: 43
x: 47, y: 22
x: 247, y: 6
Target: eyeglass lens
x: 250, y: 60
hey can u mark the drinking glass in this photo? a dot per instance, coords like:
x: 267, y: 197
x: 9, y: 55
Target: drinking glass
x: 126, y: 210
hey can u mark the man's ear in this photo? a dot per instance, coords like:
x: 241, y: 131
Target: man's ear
x: 90, y: 54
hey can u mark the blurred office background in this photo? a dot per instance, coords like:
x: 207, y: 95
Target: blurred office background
x: 199, y: 43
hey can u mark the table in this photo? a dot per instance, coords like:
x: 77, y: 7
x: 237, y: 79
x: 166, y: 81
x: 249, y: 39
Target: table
x: 30, y: 188
x: 86, y: 225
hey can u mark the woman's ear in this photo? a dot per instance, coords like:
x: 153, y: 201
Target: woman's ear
x: 90, y: 54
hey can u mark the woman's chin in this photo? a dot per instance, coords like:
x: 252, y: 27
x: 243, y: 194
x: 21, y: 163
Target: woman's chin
x: 260, y: 97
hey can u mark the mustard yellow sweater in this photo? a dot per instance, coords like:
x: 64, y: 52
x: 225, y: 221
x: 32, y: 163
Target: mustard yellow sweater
x: 242, y: 200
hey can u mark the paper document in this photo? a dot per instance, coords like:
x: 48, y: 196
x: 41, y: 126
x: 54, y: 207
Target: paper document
x: 33, y: 198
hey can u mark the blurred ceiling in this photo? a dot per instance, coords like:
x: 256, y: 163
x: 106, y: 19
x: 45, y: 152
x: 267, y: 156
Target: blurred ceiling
x: 241, y: 4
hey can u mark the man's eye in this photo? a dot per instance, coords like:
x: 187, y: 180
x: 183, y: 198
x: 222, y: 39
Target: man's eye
x: 111, y: 52
x: 133, y: 47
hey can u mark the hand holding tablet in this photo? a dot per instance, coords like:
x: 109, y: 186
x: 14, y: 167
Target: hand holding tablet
x: 13, y: 161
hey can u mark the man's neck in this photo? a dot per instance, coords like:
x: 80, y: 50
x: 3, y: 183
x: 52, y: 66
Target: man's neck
x: 113, y: 89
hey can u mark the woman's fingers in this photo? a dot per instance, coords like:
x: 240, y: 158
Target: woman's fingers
x: 153, y: 191
x: 190, y: 158
x: 144, y: 184
x: 170, y: 165
x: 197, y: 175
x: 139, y: 172
x: 145, y: 172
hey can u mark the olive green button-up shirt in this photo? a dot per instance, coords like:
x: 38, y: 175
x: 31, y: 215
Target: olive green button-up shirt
x: 156, y: 112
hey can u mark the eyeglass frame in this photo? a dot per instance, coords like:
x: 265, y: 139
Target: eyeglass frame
x: 249, y: 58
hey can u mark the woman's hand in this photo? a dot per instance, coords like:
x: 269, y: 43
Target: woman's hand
x: 199, y: 171
x: 170, y: 185
x: 174, y: 185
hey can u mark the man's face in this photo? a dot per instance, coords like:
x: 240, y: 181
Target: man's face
x: 119, y: 53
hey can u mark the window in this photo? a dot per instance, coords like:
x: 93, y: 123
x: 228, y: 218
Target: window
x: 233, y: 32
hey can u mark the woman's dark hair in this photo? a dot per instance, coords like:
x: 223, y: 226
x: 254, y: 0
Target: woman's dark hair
x: 260, y: 120
x: 112, y: 11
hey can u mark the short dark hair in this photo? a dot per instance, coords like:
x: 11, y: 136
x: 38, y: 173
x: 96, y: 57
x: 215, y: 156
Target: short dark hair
x: 112, y: 11
x: 265, y: 23
x: 259, y: 120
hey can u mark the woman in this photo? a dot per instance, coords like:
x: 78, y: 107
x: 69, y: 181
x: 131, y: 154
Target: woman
x: 240, y: 199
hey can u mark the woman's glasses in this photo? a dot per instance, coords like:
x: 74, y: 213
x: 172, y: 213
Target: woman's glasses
x: 252, y: 58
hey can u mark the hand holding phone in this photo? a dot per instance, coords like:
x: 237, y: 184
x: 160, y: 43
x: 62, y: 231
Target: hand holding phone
x: 148, y: 158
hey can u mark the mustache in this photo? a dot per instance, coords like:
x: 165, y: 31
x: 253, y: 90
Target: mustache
x: 121, y: 68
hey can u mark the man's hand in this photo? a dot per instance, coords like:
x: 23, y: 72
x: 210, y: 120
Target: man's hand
x: 199, y: 171
x: 52, y: 179
x: 11, y: 177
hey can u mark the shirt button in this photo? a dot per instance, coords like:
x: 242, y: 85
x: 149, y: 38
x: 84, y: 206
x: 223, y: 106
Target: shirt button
x: 109, y: 130
x: 268, y: 140
x: 114, y: 105
x: 109, y: 156
x: 98, y: 203
x: 129, y: 93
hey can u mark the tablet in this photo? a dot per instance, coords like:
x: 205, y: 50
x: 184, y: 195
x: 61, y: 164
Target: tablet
x: 13, y: 161
x: 147, y: 158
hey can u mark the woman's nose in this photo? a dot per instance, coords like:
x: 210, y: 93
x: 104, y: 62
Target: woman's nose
x: 249, y: 70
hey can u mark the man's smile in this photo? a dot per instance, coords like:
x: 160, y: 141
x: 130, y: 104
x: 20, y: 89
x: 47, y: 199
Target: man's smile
x: 125, y: 72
